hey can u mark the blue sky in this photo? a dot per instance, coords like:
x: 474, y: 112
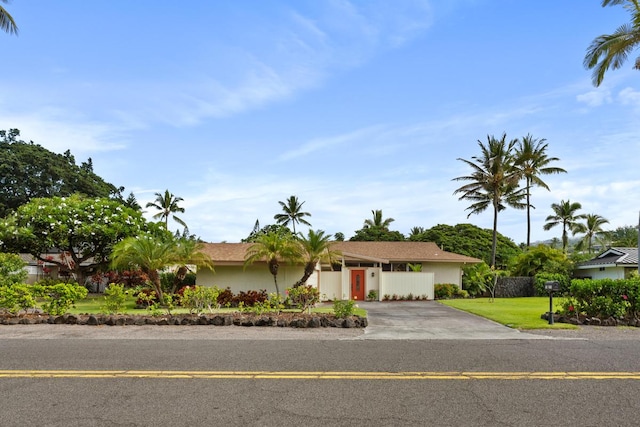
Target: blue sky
x: 350, y: 105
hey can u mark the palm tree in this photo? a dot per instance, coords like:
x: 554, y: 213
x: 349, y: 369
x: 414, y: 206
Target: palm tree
x: 7, y: 23
x: 532, y: 160
x: 377, y: 221
x: 591, y: 227
x: 189, y: 252
x: 316, y: 247
x: 493, y: 182
x: 565, y: 215
x: 610, y: 51
x: 167, y: 204
x: 292, y: 213
x: 149, y: 254
x: 273, y: 247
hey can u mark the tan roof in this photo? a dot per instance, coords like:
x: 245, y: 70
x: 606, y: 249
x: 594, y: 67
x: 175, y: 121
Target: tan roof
x: 385, y: 252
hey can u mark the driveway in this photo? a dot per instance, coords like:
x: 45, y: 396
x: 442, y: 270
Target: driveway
x: 425, y: 320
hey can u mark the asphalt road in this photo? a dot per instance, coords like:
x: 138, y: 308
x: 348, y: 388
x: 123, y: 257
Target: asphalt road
x: 61, y: 375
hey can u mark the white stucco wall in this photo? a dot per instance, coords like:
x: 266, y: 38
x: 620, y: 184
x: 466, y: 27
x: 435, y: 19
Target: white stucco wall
x: 444, y: 272
x: 254, y: 277
x: 607, y: 273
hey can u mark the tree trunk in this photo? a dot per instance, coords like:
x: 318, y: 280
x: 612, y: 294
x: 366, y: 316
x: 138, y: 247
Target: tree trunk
x: 157, y: 285
x: 494, y: 243
x: 179, y: 277
x: 309, y: 268
x: 528, y: 214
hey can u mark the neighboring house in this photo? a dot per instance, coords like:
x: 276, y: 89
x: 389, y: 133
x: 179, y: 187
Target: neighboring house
x: 614, y: 263
x: 384, y: 267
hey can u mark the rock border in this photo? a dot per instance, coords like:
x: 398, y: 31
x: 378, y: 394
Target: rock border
x: 591, y: 321
x: 283, y: 320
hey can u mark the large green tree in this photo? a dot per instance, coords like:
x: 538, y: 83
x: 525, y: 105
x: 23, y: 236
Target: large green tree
x: 7, y: 23
x: 292, y: 213
x: 625, y: 237
x: 532, y: 161
x: 274, y: 248
x: 316, y: 247
x: 168, y: 205
x: 493, y: 182
x: 591, y: 228
x: 470, y: 240
x: 377, y: 220
x: 610, y: 51
x: 82, y: 230
x: 29, y: 171
x: 565, y: 215
x: 376, y: 229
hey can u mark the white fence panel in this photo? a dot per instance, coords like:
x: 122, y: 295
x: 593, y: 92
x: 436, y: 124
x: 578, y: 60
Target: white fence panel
x: 405, y: 283
x: 330, y: 285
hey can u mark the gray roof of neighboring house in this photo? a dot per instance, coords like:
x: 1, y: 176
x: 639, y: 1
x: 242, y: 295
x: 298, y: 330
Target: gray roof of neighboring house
x: 624, y: 257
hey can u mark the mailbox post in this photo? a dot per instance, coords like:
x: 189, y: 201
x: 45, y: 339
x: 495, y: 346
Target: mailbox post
x: 551, y: 287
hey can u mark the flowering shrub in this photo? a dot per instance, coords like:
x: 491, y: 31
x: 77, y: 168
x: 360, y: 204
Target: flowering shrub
x: 304, y: 297
x: 603, y: 298
x: 197, y: 298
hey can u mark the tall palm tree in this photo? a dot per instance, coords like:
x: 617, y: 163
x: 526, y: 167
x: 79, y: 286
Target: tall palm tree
x: 292, y: 213
x: 532, y: 160
x: 565, y: 215
x: 591, y: 227
x: 493, y: 182
x: 273, y: 247
x: 377, y: 220
x: 167, y: 204
x: 610, y: 51
x: 149, y: 254
x: 316, y: 247
x: 7, y: 24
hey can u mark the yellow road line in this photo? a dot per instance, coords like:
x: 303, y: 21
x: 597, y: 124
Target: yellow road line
x: 320, y: 375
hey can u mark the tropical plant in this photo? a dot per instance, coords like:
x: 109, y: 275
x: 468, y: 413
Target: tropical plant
x: 415, y: 232
x: 292, y: 213
x: 532, y: 161
x: 273, y: 248
x: 591, y: 227
x: 610, y: 51
x: 167, y: 204
x: 540, y: 259
x: 316, y: 247
x: 493, y: 182
x: 189, y: 252
x: 566, y: 216
x: 7, y: 23
x: 626, y: 237
x: 378, y: 221
x: 12, y: 269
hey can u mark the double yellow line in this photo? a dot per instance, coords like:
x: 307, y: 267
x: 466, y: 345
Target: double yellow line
x: 321, y: 375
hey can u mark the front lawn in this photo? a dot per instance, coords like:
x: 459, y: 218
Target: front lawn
x: 519, y: 313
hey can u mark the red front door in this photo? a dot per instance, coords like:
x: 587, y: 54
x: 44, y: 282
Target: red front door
x: 357, y: 285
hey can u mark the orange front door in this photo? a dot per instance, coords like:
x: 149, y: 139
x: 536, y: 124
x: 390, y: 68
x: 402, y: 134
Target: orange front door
x: 357, y: 285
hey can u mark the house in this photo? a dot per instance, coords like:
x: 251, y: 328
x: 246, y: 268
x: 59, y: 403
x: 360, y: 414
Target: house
x: 388, y: 268
x: 614, y: 263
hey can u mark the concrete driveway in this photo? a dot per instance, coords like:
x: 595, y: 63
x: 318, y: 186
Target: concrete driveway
x: 424, y: 320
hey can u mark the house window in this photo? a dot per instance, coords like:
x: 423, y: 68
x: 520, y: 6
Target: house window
x: 601, y: 268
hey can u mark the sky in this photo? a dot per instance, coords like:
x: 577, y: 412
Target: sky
x: 350, y: 105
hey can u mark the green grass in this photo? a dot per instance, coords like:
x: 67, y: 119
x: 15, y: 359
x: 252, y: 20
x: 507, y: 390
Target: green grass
x: 520, y: 313
x: 93, y: 304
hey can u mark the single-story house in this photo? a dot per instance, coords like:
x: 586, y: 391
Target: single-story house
x: 614, y: 263
x: 389, y: 268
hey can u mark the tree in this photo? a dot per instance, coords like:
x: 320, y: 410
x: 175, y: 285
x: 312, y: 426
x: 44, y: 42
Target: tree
x: 292, y: 213
x: 532, y: 161
x: 591, y: 227
x: 273, y: 248
x: 377, y: 221
x: 493, y: 182
x: 610, y: 51
x: 12, y: 270
x: 29, y: 171
x: 625, y: 237
x: 167, y: 204
x: 470, y: 240
x: 7, y: 23
x: 415, y: 232
x: 316, y: 247
x: 269, y: 228
x: 565, y: 215
x: 339, y: 236
x: 81, y: 229
x: 377, y: 234
x: 148, y: 253
x: 540, y: 259
x: 189, y: 252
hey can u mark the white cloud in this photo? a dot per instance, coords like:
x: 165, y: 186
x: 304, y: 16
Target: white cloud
x: 629, y: 96
x: 595, y: 98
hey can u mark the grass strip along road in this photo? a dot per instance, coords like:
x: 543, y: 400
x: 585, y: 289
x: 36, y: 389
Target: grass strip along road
x: 277, y: 375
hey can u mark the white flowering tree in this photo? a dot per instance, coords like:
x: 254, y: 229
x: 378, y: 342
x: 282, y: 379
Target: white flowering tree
x: 83, y: 230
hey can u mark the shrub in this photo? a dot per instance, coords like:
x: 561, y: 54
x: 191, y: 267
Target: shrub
x: 541, y: 278
x: 249, y: 298
x: 12, y: 270
x: 343, y: 308
x: 606, y: 297
x: 448, y: 290
x: 146, y: 297
x: 16, y: 298
x: 60, y: 297
x: 197, y: 298
x: 372, y: 295
x: 225, y: 297
x: 114, y: 298
x: 304, y: 297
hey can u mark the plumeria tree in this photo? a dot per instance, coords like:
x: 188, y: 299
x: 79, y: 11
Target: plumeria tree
x: 83, y: 230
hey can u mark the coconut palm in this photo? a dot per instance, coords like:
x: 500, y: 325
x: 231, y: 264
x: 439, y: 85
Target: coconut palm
x: 591, y: 227
x: 532, y: 161
x: 7, y: 23
x: 565, y: 215
x: 273, y: 248
x: 189, y: 252
x: 148, y: 253
x: 167, y: 204
x: 292, y: 213
x: 610, y: 51
x: 316, y: 247
x: 493, y: 182
x: 377, y: 220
